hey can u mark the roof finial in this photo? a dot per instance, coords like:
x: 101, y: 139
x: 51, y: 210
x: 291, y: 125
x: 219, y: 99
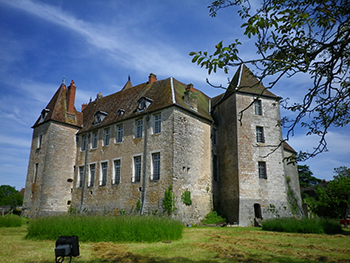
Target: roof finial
x: 129, y: 77
x: 64, y: 80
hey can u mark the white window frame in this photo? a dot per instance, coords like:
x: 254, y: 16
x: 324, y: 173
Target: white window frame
x: 94, y: 139
x: 80, y: 176
x: 136, y: 169
x: 36, y: 168
x: 155, y: 175
x: 260, y: 138
x: 106, y: 136
x: 139, y: 128
x: 157, y: 127
x: 83, y: 142
x: 101, y: 181
x: 262, y: 170
x: 258, y: 110
x: 40, y: 140
x: 119, y: 133
x: 91, y: 179
x: 117, y: 173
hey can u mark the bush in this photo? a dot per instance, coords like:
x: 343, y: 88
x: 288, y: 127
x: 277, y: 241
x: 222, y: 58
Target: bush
x: 305, y: 225
x: 106, y: 228
x: 213, y: 218
x: 10, y: 221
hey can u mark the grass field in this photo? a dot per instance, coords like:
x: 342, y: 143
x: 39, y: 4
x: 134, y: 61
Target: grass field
x: 199, y: 244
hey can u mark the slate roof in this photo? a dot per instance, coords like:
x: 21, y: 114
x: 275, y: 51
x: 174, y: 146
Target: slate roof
x: 57, y: 110
x: 163, y: 93
x: 244, y: 81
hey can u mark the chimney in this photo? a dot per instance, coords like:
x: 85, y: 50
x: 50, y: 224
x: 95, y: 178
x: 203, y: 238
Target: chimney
x: 83, y: 106
x: 71, y: 97
x: 152, y: 78
x: 190, y: 97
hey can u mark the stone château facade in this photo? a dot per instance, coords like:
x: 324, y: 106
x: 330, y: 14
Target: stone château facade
x: 123, y: 151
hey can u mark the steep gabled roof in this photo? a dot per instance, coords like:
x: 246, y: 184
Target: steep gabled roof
x: 162, y: 93
x: 56, y: 110
x: 287, y: 147
x: 244, y: 81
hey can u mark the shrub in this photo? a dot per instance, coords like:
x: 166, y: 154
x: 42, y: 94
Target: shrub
x: 213, y: 218
x: 106, y: 228
x: 10, y: 221
x: 305, y: 225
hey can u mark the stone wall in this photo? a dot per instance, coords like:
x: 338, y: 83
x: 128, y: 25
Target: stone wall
x: 184, y: 147
x: 50, y: 192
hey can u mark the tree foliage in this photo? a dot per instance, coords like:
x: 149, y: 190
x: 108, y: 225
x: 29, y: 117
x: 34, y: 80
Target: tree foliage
x: 9, y: 196
x: 342, y: 170
x: 305, y: 177
x: 293, y: 37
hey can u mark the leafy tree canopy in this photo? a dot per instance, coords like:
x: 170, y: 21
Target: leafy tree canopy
x: 294, y: 37
x: 305, y: 177
x: 343, y: 171
x: 9, y: 196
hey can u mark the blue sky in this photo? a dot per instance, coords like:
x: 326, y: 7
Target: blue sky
x: 98, y: 44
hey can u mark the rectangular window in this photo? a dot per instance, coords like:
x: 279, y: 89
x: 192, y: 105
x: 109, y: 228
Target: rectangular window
x: 117, y: 168
x: 80, y: 176
x: 83, y: 142
x: 91, y: 179
x: 155, y: 166
x: 120, y: 133
x: 262, y: 170
x: 139, y: 128
x: 260, y: 135
x: 157, y: 123
x: 104, y: 169
x: 107, y: 136
x: 94, y: 140
x: 40, y: 140
x: 137, y: 169
x: 36, y: 167
x: 258, y: 107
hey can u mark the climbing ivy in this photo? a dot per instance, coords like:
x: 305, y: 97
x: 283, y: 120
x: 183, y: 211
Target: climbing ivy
x: 169, y: 201
x: 186, y: 197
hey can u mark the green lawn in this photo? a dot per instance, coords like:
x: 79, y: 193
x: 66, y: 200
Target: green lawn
x: 202, y: 244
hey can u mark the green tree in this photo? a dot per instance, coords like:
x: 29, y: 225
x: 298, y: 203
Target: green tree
x: 333, y: 199
x: 9, y: 196
x: 342, y: 170
x: 305, y: 177
x: 294, y: 37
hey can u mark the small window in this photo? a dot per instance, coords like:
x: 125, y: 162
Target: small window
x: 260, y: 135
x: 117, y: 171
x: 155, y: 166
x: 157, y: 123
x: 40, y: 140
x: 120, y: 112
x: 83, y: 142
x: 120, y: 133
x: 143, y: 104
x: 36, y: 168
x: 258, y: 107
x: 43, y: 115
x: 92, y: 174
x: 257, y: 211
x: 137, y: 169
x: 99, y: 117
x: 80, y: 176
x: 139, y: 128
x: 94, y: 140
x: 262, y: 170
x: 104, y: 170
x: 107, y: 136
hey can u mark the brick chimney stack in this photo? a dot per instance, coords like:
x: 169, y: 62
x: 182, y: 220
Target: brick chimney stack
x: 190, y: 97
x: 83, y: 106
x: 152, y: 78
x: 71, y: 97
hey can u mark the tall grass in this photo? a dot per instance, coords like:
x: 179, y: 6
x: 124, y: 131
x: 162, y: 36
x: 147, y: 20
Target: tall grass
x: 305, y: 225
x: 10, y: 221
x: 106, y: 228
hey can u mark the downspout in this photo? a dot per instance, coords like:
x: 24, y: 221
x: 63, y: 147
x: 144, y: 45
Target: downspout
x: 84, y: 173
x: 144, y: 166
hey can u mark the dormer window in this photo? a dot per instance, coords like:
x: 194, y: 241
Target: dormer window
x: 143, y: 104
x: 99, y: 117
x: 43, y: 115
x: 120, y: 112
